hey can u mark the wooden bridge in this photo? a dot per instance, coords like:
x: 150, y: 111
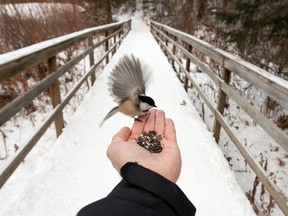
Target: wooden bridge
x: 173, y: 44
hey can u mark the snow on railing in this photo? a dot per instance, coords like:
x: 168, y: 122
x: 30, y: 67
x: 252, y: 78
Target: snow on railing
x: 171, y: 39
x: 15, y: 62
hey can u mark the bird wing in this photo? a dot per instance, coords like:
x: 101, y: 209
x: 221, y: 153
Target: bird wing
x: 127, y: 80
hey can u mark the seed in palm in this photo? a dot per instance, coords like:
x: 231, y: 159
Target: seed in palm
x: 150, y: 141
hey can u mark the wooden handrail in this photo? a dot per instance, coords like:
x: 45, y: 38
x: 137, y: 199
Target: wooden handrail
x: 274, y: 87
x: 271, y: 84
x: 15, y: 62
x: 277, y: 82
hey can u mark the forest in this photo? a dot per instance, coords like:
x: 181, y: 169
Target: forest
x: 258, y: 29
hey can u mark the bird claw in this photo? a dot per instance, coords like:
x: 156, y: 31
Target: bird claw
x: 137, y: 119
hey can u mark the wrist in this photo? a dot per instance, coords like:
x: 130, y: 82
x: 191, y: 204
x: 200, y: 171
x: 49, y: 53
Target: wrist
x: 132, y: 168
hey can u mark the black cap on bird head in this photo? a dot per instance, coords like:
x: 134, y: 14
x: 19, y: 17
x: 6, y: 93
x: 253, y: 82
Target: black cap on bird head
x: 147, y: 100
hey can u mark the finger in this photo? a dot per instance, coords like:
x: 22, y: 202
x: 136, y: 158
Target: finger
x: 138, y: 126
x: 160, y: 122
x: 170, y: 131
x: 150, y: 122
x: 122, y: 135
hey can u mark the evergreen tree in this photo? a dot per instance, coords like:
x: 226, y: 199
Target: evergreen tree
x: 256, y: 24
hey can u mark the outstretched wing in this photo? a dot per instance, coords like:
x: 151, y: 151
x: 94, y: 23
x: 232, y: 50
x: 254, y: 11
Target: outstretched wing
x: 127, y: 79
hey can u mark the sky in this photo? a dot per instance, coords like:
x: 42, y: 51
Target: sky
x: 75, y: 170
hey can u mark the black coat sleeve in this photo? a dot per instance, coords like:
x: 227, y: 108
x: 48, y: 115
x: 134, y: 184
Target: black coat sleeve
x: 141, y: 192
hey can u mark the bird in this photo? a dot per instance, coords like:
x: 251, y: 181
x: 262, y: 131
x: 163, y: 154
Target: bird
x: 127, y: 83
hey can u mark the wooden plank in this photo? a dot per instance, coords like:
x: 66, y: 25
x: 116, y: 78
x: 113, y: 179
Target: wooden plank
x: 274, y: 86
x: 99, y: 43
x: 194, y: 84
x: 16, y: 105
x: 271, y: 85
x: 106, y: 38
x: 16, y: 61
x: 273, y: 191
x: 22, y: 152
x: 8, y: 170
x: 275, y: 132
x: 195, y: 60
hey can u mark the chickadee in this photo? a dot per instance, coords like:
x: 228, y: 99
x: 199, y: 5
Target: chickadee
x: 127, y: 86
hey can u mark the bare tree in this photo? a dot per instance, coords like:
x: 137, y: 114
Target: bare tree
x: 99, y: 11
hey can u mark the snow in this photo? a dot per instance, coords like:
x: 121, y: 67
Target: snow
x: 75, y: 170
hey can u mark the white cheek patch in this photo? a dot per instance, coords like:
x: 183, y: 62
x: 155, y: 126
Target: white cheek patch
x: 144, y: 107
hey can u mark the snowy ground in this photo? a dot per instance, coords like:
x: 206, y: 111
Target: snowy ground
x: 75, y: 170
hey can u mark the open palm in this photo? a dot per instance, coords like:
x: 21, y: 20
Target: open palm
x: 124, y: 149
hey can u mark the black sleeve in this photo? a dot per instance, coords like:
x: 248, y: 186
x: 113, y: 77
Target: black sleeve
x: 141, y: 192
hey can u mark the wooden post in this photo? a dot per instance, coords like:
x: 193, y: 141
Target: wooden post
x: 189, y: 48
x: 91, y: 59
x: 160, y: 37
x: 174, y: 52
x: 119, y: 35
x: 114, y: 50
x: 166, y: 40
x: 130, y: 24
x: 55, y: 96
x: 107, y: 47
x: 221, y: 105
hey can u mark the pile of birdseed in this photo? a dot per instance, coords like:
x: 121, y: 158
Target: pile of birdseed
x: 150, y: 141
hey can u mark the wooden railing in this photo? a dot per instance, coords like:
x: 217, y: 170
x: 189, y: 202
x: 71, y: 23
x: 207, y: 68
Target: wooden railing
x: 172, y: 41
x: 15, y: 62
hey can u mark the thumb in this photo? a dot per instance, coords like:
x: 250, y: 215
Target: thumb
x: 122, y: 135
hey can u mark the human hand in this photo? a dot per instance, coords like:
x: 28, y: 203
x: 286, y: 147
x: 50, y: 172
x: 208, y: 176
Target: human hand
x: 124, y: 148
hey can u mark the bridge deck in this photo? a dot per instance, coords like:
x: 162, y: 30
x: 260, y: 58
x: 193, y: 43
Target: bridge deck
x: 76, y: 170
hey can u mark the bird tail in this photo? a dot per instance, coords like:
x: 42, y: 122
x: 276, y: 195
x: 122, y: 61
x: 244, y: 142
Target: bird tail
x: 111, y: 113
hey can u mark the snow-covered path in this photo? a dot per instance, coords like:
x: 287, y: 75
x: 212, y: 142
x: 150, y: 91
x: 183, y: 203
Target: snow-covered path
x: 76, y: 170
